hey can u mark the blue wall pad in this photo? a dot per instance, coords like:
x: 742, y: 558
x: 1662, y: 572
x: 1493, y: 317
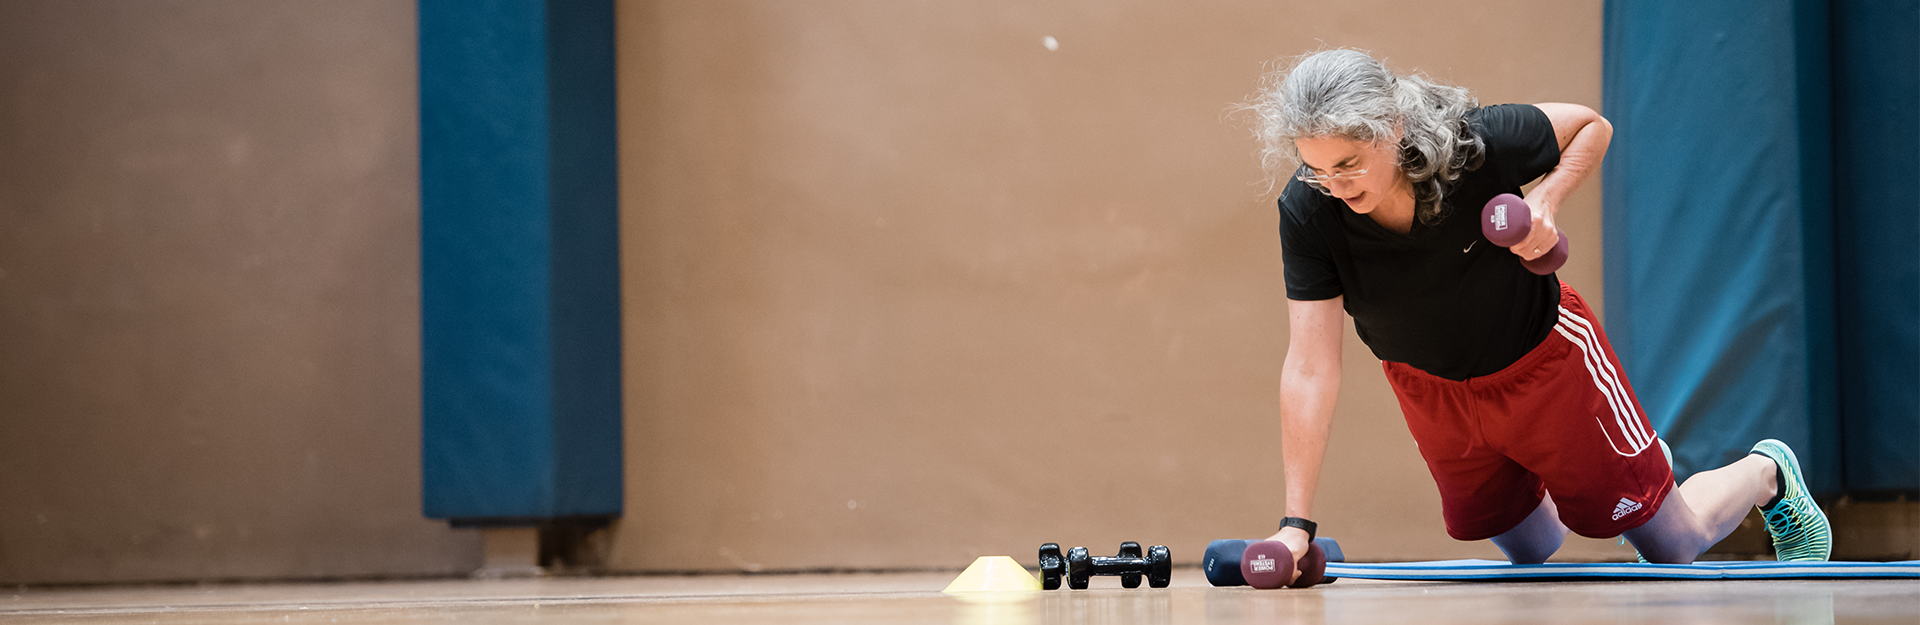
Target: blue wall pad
x: 1712, y: 271
x: 1495, y: 571
x: 1761, y: 219
x: 1876, y: 105
x: 520, y: 284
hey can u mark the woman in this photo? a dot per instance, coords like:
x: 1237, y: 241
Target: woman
x: 1506, y: 380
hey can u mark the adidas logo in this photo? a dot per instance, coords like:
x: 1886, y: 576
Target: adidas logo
x: 1624, y: 508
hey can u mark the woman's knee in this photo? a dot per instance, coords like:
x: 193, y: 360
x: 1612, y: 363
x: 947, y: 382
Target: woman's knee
x: 1672, y: 536
x: 1536, y: 538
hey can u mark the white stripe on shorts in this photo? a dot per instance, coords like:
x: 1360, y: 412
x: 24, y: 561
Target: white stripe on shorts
x: 1607, y: 379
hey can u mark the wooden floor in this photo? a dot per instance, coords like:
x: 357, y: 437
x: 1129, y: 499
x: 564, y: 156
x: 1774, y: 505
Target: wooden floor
x: 915, y: 598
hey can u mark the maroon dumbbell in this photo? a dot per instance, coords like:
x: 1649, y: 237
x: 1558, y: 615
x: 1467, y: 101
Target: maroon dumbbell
x: 1313, y: 567
x: 1506, y: 221
x: 1269, y: 564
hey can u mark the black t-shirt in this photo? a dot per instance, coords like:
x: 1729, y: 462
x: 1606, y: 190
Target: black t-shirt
x: 1441, y: 298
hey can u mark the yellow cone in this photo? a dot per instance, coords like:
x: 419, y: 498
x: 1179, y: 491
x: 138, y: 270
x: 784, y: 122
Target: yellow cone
x: 991, y: 573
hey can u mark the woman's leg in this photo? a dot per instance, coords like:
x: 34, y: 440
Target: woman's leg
x: 1537, y: 537
x: 1704, y: 510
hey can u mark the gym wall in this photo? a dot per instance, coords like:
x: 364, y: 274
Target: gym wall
x: 903, y: 286
x: 209, y: 293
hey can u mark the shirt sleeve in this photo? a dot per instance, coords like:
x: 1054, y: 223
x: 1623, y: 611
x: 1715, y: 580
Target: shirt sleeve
x: 1310, y: 272
x: 1520, y: 142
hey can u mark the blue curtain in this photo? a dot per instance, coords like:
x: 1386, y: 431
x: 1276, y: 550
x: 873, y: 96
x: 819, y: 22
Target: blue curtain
x: 1876, y: 47
x: 1761, y: 240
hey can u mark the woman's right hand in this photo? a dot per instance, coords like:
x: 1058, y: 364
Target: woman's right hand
x: 1296, y: 541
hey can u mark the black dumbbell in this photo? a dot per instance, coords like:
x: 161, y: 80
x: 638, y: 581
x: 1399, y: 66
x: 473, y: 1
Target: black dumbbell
x: 1052, y: 566
x: 1079, y: 567
x: 1130, y: 549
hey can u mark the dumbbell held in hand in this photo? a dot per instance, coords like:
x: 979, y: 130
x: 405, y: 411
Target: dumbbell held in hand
x: 1269, y: 564
x: 1507, y: 220
x: 1226, y: 563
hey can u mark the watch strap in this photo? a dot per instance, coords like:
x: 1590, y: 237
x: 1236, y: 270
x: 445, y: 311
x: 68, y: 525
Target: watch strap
x: 1308, y: 526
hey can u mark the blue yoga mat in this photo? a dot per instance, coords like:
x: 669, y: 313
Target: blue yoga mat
x: 1496, y: 571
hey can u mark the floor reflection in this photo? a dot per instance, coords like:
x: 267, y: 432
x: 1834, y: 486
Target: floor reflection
x: 905, y: 598
x: 1807, y: 603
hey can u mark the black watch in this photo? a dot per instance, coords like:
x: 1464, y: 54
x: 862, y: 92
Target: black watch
x: 1294, y: 521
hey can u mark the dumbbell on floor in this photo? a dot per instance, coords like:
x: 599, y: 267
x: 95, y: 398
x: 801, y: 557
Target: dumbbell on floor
x: 1225, y: 565
x: 1078, y: 567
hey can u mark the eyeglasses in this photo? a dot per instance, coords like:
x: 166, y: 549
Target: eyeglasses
x: 1320, y: 182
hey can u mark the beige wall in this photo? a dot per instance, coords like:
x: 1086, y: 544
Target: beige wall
x: 209, y: 293
x: 904, y: 287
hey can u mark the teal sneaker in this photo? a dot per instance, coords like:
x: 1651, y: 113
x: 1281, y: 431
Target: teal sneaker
x: 1800, y: 531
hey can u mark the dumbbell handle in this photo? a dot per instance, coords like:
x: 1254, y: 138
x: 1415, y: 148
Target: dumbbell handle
x: 1117, y: 565
x: 1507, y: 220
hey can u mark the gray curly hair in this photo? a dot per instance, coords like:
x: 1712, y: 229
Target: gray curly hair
x: 1347, y: 93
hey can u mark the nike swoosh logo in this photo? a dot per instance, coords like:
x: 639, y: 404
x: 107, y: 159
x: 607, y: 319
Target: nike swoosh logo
x: 1468, y: 247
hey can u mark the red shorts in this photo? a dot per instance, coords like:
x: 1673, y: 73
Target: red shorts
x: 1562, y: 420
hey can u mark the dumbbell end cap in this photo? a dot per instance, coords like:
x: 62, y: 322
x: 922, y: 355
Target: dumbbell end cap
x: 1266, y: 564
x: 1221, y: 562
x: 1506, y: 220
x: 1551, y: 261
